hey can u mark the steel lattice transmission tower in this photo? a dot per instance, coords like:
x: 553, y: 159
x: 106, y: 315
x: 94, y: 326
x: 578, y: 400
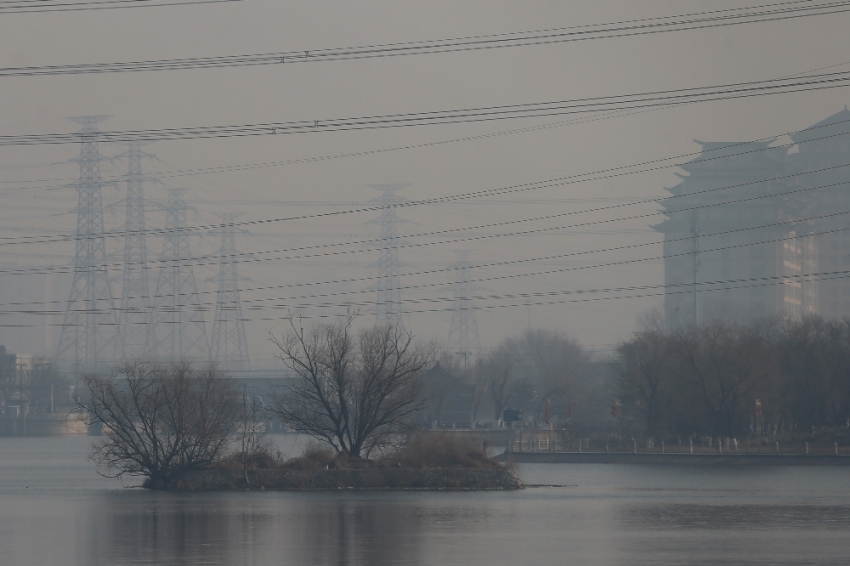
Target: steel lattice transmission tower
x: 463, y: 332
x: 134, y: 315
x: 176, y: 331
x: 90, y: 335
x: 388, y: 299
x: 229, y: 346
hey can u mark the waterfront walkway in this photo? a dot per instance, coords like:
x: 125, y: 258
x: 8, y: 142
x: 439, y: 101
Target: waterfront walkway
x: 675, y: 459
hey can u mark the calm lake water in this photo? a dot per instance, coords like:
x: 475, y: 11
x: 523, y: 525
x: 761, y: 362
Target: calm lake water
x: 56, y: 510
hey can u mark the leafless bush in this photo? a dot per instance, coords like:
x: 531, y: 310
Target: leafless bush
x: 161, y: 422
x: 442, y: 451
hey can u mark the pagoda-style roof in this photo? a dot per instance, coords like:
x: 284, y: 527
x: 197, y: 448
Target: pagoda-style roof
x: 731, y: 148
x: 837, y: 124
x: 723, y: 155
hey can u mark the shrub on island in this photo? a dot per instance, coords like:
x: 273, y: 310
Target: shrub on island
x: 431, y: 461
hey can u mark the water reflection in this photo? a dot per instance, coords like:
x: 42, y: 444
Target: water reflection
x: 157, y: 528
x: 694, y: 516
x: 56, y: 510
x: 359, y: 531
x: 352, y: 529
x: 343, y: 529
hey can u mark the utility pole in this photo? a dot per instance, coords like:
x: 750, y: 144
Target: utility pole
x: 695, y: 262
x: 176, y: 332
x: 229, y: 345
x: 90, y: 338
x: 388, y: 299
x: 134, y: 315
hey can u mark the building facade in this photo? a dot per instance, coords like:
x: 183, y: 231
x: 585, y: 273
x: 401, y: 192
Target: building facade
x: 753, y: 230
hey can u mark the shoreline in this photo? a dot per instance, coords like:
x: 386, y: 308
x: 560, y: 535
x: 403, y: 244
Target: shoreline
x: 674, y: 459
x: 372, y: 479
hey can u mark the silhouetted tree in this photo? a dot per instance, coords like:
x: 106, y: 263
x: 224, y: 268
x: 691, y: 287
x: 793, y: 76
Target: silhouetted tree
x: 352, y: 390
x: 646, y: 375
x: 443, y: 381
x: 549, y: 364
x: 496, y: 371
x: 815, y: 358
x: 161, y: 422
x: 725, y: 364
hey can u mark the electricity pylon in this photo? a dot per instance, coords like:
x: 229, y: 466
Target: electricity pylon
x: 176, y: 331
x: 90, y: 335
x: 463, y: 332
x: 134, y: 315
x: 388, y: 299
x: 229, y: 346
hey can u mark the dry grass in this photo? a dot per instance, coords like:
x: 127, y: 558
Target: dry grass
x: 263, y: 460
x: 441, y: 451
x: 315, y: 457
x: 428, y: 451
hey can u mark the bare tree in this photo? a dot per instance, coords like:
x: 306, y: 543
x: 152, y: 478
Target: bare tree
x: 352, y: 390
x: 555, y: 365
x: 496, y: 372
x: 161, y: 422
x: 536, y: 367
x: 479, y: 394
x: 815, y: 357
x: 522, y: 395
x: 725, y: 363
x: 645, y: 374
x: 252, y: 433
x: 443, y: 382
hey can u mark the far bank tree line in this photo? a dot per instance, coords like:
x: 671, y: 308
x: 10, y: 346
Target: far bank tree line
x: 728, y: 378
x: 539, y: 373
x: 724, y: 378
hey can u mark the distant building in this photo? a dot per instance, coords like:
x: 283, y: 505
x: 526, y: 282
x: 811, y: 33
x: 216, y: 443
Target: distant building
x: 824, y: 153
x: 8, y: 374
x: 755, y: 230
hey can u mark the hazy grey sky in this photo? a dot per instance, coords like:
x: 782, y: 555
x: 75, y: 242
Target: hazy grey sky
x: 33, y: 202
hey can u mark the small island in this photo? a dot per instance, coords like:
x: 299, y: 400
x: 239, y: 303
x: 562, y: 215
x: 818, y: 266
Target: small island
x: 427, y: 462
x: 354, y: 393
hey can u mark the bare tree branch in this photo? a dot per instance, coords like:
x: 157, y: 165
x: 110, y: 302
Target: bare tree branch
x: 161, y: 422
x: 351, y: 391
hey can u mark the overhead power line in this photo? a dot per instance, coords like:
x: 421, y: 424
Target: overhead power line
x: 627, y: 28
x: 250, y: 257
x: 549, y: 297
x: 565, y: 256
x: 459, y: 116
x: 236, y: 167
x: 709, y: 286
x: 604, y: 174
x: 43, y: 6
x: 315, y: 159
